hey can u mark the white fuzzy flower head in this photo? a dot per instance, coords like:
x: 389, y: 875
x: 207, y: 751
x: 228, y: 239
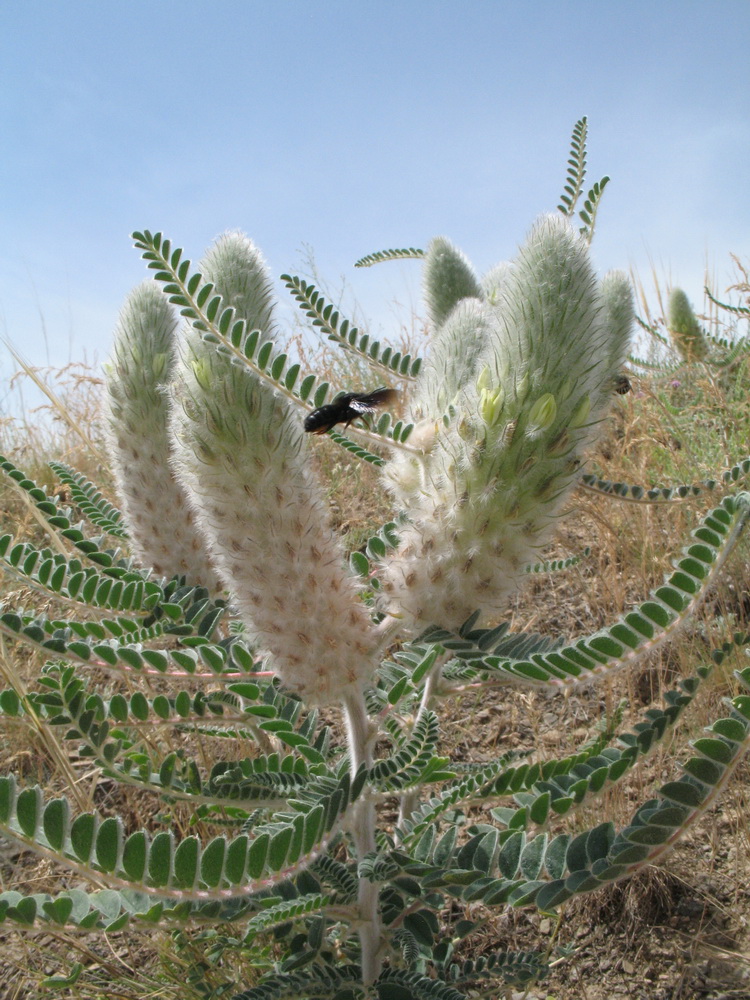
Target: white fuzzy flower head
x: 241, y: 454
x: 510, y: 441
x: 163, y: 534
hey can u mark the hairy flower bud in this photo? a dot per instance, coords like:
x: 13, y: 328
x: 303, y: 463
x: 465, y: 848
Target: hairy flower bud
x: 491, y: 405
x: 542, y: 413
x: 454, y: 352
x: 485, y: 504
x: 495, y: 281
x: 581, y: 413
x: 241, y: 453
x: 684, y: 329
x: 162, y: 530
x: 448, y: 278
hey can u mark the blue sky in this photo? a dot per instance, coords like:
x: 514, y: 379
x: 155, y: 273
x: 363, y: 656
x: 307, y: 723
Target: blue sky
x: 350, y: 127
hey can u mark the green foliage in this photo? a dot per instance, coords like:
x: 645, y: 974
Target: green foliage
x: 727, y: 306
x: 158, y: 879
x: 326, y: 319
x: 573, y: 187
x: 88, y: 498
x: 557, y: 565
x: 379, y: 256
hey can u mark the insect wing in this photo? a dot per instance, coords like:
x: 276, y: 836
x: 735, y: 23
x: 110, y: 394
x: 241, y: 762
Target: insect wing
x: 369, y: 402
x: 362, y: 404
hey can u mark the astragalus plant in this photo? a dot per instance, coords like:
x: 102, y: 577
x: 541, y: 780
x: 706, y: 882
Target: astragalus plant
x: 347, y: 848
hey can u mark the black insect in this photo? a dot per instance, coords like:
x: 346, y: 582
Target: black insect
x: 347, y: 408
x: 622, y: 384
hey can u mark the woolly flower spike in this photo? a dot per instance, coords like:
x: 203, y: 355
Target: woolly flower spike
x: 684, y: 328
x: 454, y: 352
x: 506, y: 453
x: 237, y: 267
x: 161, y: 523
x: 617, y: 294
x: 448, y: 278
x: 241, y: 453
x: 494, y: 281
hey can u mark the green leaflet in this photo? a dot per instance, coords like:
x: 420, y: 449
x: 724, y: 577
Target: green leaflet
x: 573, y: 187
x: 661, y: 495
x: 381, y: 255
x: 595, y: 856
x: 411, y: 761
x: 327, y: 319
x: 88, y: 497
x: 282, y: 912
x: 529, y: 659
x: 160, y: 861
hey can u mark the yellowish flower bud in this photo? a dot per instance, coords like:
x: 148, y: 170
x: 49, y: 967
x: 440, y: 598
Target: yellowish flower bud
x: 543, y: 412
x: 159, y: 365
x: 491, y: 405
x: 202, y: 373
x: 484, y: 379
x: 581, y: 413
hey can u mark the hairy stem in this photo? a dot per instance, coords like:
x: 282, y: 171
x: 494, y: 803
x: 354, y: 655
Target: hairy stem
x: 359, y: 737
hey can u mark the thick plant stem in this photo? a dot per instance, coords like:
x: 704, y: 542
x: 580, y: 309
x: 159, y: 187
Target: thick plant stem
x: 359, y: 736
x: 359, y: 731
x: 369, y: 930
